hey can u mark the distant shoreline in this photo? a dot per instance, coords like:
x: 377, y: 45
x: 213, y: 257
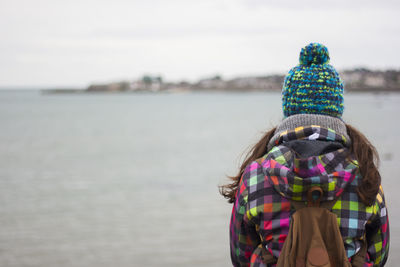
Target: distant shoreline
x: 355, y: 80
x: 86, y: 92
x: 77, y: 91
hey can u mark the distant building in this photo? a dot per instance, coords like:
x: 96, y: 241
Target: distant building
x: 147, y: 83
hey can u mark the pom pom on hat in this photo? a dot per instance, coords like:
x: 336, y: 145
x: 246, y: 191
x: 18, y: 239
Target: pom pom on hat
x: 314, y: 53
x: 313, y: 86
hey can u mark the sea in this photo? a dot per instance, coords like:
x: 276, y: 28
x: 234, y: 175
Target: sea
x: 107, y: 179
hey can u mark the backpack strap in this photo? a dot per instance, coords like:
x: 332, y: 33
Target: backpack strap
x: 311, y: 202
x: 267, y: 257
x: 326, y: 204
x: 358, y: 259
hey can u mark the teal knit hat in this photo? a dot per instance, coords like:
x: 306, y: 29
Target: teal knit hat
x: 313, y: 86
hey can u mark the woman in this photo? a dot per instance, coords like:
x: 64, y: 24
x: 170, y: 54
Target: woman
x: 312, y: 146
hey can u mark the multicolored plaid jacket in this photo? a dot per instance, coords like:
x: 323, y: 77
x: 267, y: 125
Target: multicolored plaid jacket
x: 301, y: 158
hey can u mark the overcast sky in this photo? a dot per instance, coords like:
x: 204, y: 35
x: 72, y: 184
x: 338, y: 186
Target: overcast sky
x: 46, y: 43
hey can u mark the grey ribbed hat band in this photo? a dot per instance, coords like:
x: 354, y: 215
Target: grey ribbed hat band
x: 294, y: 121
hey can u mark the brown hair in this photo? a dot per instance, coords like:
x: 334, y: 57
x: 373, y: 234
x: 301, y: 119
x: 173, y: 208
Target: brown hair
x: 257, y: 151
x: 361, y: 148
x: 368, y: 161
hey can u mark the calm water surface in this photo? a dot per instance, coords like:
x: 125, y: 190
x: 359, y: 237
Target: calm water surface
x: 131, y: 179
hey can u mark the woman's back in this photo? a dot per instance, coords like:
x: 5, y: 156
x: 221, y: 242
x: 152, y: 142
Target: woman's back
x: 312, y: 146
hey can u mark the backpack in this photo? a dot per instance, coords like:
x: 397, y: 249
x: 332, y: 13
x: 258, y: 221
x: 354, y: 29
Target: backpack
x: 314, y: 237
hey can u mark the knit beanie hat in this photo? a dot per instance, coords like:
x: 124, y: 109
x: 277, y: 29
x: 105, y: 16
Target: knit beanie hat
x: 313, y: 86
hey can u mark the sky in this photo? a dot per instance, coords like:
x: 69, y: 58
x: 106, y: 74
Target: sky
x: 74, y: 43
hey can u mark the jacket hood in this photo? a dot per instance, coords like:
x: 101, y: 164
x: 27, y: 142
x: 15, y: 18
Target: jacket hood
x: 294, y: 121
x: 310, y: 156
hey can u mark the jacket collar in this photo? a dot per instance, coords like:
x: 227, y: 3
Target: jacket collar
x: 298, y: 120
